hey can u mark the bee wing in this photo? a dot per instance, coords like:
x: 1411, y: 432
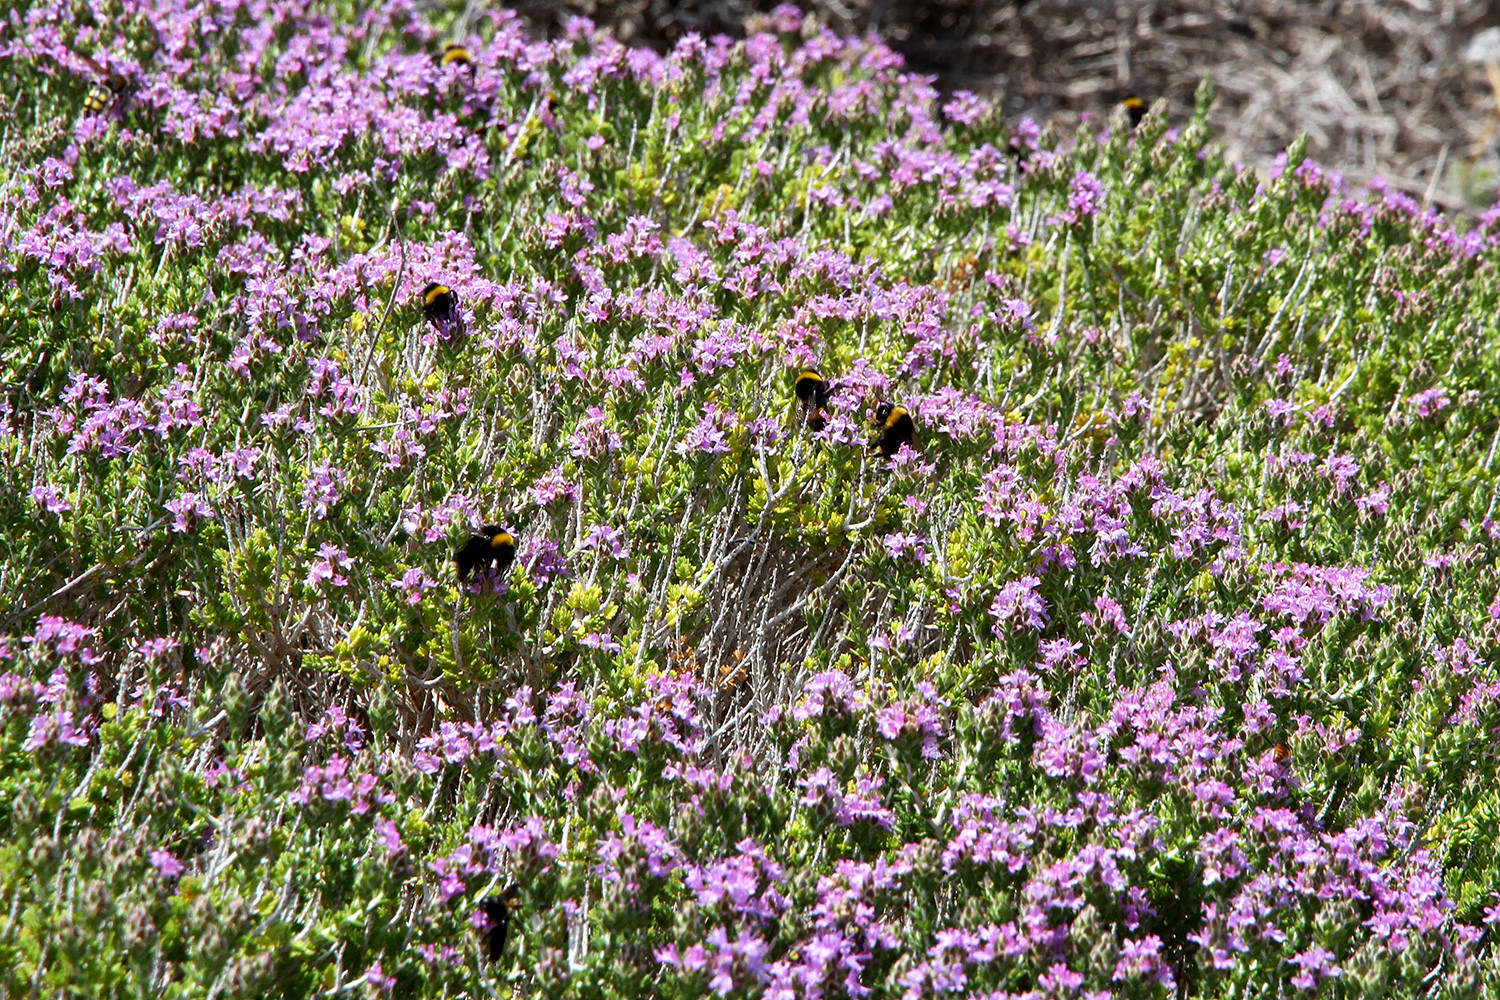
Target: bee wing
x: 794, y: 415
x: 92, y: 64
x: 829, y: 388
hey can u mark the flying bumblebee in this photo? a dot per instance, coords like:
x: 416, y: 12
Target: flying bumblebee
x: 455, y: 54
x: 812, y: 394
x: 1135, y: 108
x: 896, y: 429
x: 497, y: 910
x: 492, y: 547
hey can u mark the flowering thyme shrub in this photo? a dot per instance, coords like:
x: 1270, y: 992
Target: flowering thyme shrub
x: 1162, y: 666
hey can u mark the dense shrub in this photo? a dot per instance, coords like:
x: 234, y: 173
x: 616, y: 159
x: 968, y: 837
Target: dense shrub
x: 1162, y: 666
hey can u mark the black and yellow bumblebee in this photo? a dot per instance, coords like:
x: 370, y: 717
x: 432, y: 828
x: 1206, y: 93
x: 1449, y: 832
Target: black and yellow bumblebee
x: 103, y: 94
x: 1135, y: 109
x: 455, y: 54
x: 497, y: 910
x: 896, y: 429
x: 439, y: 303
x: 492, y: 547
x: 812, y: 393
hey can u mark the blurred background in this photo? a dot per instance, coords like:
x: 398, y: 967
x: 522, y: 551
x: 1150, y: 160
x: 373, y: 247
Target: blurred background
x: 1404, y: 89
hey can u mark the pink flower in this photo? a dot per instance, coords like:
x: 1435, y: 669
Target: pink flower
x: 1106, y: 612
x: 166, y: 866
x: 1316, y: 964
x: 414, y: 584
x: 1429, y: 402
x: 326, y: 568
x: 322, y: 489
x: 1018, y: 601
x: 710, y: 435
x: 186, y: 508
x: 552, y: 486
x: 1492, y: 913
x: 156, y: 650
x: 600, y: 640
x: 50, y: 500
x: 377, y: 978
x: 898, y: 544
x: 1086, y: 196
x: 1281, y: 410
x: 1376, y: 502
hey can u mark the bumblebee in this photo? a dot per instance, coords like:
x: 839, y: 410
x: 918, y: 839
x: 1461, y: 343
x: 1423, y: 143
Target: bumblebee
x: 546, y: 111
x: 439, y: 304
x: 497, y: 910
x: 811, y: 387
x: 455, y: 54
x: 1240, y: 27
x: 896, y: 429
x: 103, y: 94
x: 1135, y: 108
x: 492, y: 547
x: 813, y: 392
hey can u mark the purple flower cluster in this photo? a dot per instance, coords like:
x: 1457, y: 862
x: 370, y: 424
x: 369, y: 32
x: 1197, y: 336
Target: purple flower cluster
x: 1085, y: 904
